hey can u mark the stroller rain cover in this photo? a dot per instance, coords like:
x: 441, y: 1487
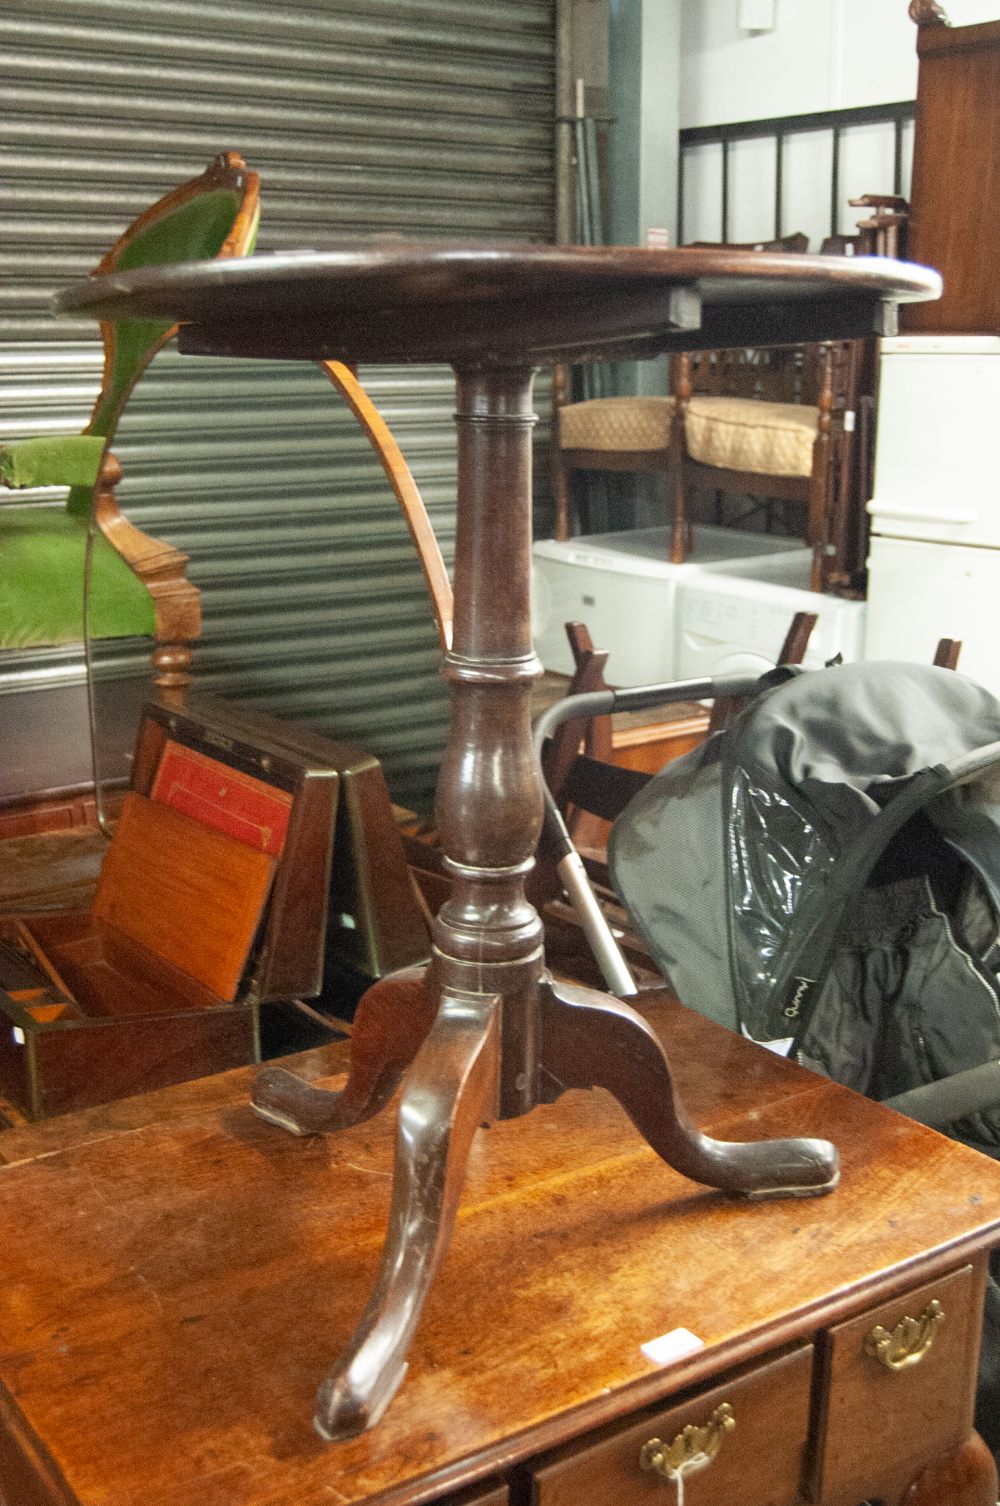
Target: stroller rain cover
x: 825, y: 873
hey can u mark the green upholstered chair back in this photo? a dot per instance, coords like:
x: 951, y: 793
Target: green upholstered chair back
x: 42, y: 551
x: 214, y: 215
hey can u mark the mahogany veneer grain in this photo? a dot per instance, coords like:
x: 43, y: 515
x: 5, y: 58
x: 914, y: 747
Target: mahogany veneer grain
x: 174, y: 1272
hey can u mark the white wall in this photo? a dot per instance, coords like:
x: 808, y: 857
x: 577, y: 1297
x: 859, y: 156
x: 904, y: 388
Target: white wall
x: 971, y: 12
x: 821, y: 55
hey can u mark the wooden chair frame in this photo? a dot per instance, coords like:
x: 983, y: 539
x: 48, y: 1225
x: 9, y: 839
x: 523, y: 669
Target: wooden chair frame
x: 590, y: 790
x: 161, y: 567
x: 816, y: 492
x: 406, y: 492
x: 830, y: 369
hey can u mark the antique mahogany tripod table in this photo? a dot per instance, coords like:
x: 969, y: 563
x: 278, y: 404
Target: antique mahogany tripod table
x: 489, y: 1034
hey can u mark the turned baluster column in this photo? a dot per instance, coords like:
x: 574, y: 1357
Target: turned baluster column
x: 487, y: 937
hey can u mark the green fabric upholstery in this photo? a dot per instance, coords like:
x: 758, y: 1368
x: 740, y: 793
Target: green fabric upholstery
x: 193, y: 232
x: 41, y: 582
x: 42, y: 549
x: 52, y: 460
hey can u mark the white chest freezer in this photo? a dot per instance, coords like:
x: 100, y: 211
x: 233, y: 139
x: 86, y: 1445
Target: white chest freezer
x: 733, y: 624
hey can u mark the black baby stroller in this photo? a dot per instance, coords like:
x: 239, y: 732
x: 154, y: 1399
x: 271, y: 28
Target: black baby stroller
x: 824, y: 875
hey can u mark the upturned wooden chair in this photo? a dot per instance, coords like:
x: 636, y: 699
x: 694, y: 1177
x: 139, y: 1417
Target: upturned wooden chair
x: 579, y: 762
x: 133, y: 585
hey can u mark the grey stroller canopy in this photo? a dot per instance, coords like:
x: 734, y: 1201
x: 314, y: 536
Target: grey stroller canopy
x: 826, y: 873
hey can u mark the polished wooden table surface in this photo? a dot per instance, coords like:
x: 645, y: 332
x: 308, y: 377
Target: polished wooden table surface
x: 168, y: 1262
x: 503, y: 305
x: 487, y: 1034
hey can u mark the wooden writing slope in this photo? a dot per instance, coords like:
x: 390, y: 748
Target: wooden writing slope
x: 215, y: 896
x: 169, y: 1265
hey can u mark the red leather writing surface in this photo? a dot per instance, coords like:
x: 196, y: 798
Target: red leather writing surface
x: 243, y: 807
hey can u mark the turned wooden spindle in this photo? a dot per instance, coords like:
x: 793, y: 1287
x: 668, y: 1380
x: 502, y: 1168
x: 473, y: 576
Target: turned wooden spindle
x: 163, y: 571
x: 680, y: 528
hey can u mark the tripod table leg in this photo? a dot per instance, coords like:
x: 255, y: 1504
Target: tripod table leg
x: 450, y: 1090
x: 390, y: 1024
x: 592, y: 1040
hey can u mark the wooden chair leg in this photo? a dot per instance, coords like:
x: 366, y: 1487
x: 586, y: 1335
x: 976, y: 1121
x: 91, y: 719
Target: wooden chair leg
x: 560, y: 488
x: 594, y: 732
x: 821, y: 479
x: 792, y: 651
x: 560, y: 479
x: 680, y: 531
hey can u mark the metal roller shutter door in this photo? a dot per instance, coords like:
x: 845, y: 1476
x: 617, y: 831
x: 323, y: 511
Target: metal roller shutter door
x: 416, y: 117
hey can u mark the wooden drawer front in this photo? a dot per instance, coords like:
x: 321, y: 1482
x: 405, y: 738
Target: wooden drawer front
x: 875, y: 1414
x: 759, y: 1462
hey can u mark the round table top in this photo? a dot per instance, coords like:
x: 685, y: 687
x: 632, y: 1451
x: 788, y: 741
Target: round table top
x: 502, y: 304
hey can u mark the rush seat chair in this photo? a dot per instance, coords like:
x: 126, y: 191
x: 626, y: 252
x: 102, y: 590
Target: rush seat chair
x: 760, y: 423
x: 635, y: 434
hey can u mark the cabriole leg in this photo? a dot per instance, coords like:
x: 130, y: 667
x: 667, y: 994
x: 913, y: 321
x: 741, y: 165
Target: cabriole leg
x: 591, y: 1040
x: 390, y: 1024
x: 450, y: 1090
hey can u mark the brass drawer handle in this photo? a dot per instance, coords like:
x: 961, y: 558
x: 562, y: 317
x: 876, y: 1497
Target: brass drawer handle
x: 693, y: 1449
x: 908, y: 1342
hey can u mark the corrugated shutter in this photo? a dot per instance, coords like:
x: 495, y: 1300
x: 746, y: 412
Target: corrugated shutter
x: 425, y: 118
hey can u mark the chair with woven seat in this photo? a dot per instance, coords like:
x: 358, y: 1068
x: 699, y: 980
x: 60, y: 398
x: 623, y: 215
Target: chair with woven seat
x: 636, y: 434
x: 760, y: 423
x: 607, y: 434
x: 135, y: 585
x: 773, y: 424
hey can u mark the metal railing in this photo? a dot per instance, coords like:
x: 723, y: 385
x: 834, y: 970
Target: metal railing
x: 778, y: 129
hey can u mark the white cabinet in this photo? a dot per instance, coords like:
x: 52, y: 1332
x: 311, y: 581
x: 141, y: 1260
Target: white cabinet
x: 934, y: 559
